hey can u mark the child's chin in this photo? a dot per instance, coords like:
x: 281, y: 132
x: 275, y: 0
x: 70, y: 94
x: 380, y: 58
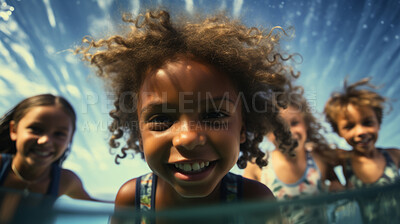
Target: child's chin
x: 194, y: 192
x: 364, y: 148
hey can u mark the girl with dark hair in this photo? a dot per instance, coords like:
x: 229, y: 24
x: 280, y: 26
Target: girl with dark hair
x: 36, y: 136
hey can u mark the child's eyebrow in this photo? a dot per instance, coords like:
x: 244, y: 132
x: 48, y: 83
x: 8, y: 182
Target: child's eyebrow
x: 157, y: 107
x: 219, y: 98
x: 38, y: 123
x: 168, y: 108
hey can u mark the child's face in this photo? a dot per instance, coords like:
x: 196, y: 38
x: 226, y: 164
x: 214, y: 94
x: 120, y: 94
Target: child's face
x: 360, y: 127
x: 42, y: 135
x: 191, y: 126
x: 298, y: 127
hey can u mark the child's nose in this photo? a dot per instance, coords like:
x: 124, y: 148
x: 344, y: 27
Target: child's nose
x: 360, y: 131
x: 188, y: 140
x: 43, y: 139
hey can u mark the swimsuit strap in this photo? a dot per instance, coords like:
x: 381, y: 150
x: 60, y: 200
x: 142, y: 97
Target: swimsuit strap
x: 389, y: 161
x: 146, y: 192
x: 5, y: 166
x: 52, y: 190
x: 231, y: 188
x: 55, y: 180
x: 310, y: 160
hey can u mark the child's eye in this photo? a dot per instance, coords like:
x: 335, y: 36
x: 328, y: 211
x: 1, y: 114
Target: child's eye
x: 294, y: 123
x: 159, y: 122
x: 348, y: 127
x: 61, y: 134
x: 35, y: 130
x: 214, y: 115
x: 368, y: 123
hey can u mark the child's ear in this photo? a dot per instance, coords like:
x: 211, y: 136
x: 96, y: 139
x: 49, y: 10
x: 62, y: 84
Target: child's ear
x: 13, y: 131
x: 243, y: 134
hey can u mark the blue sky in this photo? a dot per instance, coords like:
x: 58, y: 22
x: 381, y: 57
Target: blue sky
x: 335, y: 39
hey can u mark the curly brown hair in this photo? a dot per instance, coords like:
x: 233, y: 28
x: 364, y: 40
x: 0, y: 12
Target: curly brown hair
x: 250, y: 56
x: 357, y: 97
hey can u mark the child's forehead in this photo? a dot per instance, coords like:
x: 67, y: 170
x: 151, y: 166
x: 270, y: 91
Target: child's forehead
x: 351, y: 111
x: 291, y: 112
x: 187, y: 76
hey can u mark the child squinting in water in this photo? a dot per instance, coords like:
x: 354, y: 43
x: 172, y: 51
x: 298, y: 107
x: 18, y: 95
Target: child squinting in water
x: 197, y: 98
x: 356, y: 115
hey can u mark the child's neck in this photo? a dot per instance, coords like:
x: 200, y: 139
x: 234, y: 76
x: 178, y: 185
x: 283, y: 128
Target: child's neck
x: 30, y: 172
x: 300, y: 155
x: 368, y: 154
x: 167, y: 197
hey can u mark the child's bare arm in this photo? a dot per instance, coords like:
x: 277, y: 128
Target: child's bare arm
x: 252, y: 171
x: 254, y: 190
x: 125, y: 198
x: 71, y: 185
x: 126, y: 195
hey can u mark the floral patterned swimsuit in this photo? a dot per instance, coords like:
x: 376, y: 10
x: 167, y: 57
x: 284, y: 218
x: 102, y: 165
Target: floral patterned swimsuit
x: 308, y: 184
x: 373, y: 211
x: 389, y: 176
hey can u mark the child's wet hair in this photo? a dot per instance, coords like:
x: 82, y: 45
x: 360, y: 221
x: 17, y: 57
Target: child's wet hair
x: 251, y: 57
x: 357, y: 97
x: 22, y: 108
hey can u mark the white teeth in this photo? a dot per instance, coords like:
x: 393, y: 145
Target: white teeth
x: 187, y: 167
x: 191, y: 166
x: 42, y: 153
x: 195, y: 166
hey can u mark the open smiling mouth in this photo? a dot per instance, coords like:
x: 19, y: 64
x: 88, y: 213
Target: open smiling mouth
x: 192, y: 171
x: 41, y: 153
x: 364, y: 141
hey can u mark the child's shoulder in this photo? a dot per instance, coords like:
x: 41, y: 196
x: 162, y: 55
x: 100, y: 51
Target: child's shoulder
x: 394, y: 154
x: 392, y: 150
x: 71, y: 185
x: 254, y: 190
x: 126, y: 194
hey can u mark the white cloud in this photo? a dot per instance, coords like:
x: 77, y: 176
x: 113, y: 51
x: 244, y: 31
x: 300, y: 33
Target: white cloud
x: 64, y: 72
x: 71, y: 58
x: 21, y: 85
x: 50, y: 49
x: 9, y: 27
x: 189, y: 6
x: 135, y: 7
x: 100, y: 26
x: 50, y: 14
x: 3, y: 89
x: 23, y: 52
x: 104, y: 4
x: 4, y: 51
x: 237, y: 7
x: 223, y: 5
x: 73, y: 90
